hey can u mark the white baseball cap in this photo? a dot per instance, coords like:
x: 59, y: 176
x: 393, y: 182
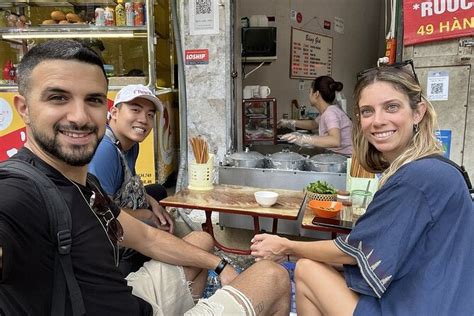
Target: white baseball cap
x: 134, y: 91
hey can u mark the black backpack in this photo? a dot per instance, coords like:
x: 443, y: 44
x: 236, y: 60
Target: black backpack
x: 60, y: 223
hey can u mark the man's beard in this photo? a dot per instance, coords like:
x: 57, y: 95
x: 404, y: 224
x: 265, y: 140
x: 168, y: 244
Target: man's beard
x: 74, y: 155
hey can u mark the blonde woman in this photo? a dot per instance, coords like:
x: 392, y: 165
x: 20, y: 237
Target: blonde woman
x: 412, y: 253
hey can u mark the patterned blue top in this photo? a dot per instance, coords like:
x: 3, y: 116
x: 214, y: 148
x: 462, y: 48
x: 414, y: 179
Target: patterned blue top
x: 415, y: 245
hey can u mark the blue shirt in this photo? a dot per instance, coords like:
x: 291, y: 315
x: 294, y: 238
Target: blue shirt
x: 415, y: 245
x: 107, y: 167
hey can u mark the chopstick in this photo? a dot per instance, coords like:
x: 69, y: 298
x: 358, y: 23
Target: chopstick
x: 200, y: 149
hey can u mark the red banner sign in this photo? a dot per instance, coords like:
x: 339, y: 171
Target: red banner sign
x: 196, y: 56
x: 433, y: 20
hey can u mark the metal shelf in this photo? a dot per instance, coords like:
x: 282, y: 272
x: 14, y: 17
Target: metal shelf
x: 52, y: 3
x: 74, y: 31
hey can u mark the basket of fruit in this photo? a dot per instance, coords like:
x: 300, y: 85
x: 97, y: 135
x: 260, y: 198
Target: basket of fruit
x: 321, y: 190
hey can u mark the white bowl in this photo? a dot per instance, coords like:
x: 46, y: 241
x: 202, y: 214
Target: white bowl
x: 266, y: 198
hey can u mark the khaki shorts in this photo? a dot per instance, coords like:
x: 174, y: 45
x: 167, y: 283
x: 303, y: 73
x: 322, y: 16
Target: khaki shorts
x: 165, y: 288
x: 224, y: 302
x: 162, y: 285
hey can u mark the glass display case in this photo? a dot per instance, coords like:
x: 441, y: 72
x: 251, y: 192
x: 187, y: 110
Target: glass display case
x: 259, y: 121
x: 133, y: 39
x: 118, y: 30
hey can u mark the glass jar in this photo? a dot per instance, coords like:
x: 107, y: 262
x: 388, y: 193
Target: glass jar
x: 345, y: 198
x: 360, y: 201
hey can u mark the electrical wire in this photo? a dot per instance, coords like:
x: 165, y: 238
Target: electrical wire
x: 386, y: 19
x: 391, y: 32
x: 253, y: 70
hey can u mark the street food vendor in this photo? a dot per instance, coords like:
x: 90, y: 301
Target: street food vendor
x: 334, y: 125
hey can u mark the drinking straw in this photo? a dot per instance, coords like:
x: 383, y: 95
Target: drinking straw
x: 365, y: 195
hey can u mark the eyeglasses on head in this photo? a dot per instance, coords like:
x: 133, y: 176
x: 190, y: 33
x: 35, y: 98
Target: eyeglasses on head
x: 399, y: 65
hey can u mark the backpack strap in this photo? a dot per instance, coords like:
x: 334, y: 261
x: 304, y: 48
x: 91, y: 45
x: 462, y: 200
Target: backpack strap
x: 455, y: 165
x: 60, y: 227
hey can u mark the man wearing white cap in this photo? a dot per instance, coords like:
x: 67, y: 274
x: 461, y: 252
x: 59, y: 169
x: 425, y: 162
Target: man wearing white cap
x: 130, y: 121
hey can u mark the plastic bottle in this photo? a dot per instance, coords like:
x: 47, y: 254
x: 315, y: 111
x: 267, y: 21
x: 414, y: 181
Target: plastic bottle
x: 109, y: 16
x: 99, y: 17
x: 302, y: 112
x: 129, y: 14
x: 139, y: 10
x: 120, y: 18
x: 213, y: 284
x: 295, y: 108
x: 290, y: 266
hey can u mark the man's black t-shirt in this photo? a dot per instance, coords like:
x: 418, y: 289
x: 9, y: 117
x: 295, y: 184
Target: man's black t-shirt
x: 28, y: 249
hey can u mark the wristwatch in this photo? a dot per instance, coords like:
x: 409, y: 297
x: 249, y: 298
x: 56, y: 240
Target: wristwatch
x: 220, y: 267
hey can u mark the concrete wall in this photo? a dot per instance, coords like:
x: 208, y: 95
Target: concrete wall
x: 457, y: 113
x: 213, y: 94
x: 208, y: 88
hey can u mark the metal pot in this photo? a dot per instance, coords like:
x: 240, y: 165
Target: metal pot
x: 286, y: 160
x: 247, y: 159
x: 327, y: 163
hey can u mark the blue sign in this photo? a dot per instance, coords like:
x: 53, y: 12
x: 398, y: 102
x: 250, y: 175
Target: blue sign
x: 444, y: 136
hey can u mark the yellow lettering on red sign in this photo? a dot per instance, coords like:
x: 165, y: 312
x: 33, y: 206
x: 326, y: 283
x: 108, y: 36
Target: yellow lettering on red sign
x: 468, y: 24
x: 427, y: 29
x: 443, y: 27
x: 447, y: 26
x: 456, y: 25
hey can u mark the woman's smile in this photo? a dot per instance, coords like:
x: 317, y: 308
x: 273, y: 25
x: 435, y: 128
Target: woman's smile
x: 383, y: 135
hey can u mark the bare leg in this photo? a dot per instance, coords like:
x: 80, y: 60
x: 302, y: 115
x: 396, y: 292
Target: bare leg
x: 267, y: 285
x: 198, y: 276
x: 321, y: 290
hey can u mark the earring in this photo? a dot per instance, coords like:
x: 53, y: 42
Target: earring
x: 416, y: 128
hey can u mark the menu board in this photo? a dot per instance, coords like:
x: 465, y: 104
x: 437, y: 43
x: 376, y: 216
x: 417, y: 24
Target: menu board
x: 311, y: 54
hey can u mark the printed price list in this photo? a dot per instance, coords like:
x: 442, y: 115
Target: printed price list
x: 311, y: 54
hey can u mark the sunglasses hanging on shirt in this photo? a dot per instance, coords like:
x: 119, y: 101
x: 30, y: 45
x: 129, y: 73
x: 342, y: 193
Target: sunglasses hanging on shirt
x: 101, y: 206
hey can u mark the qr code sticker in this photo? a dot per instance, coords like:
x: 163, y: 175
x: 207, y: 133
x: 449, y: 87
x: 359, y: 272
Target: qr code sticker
x: 436, y: 88
x: 203, y: 6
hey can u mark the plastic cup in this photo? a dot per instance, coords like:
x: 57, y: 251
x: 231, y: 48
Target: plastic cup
x: 360, y: 202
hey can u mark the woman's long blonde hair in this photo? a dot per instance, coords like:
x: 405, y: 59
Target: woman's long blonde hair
x: 424, y: 141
